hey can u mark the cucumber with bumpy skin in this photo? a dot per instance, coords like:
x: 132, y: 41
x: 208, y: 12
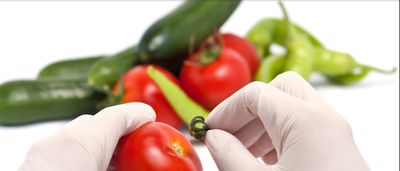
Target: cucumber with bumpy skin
x: 27, y: 101
x: 106, y: 72
x: 169, y: 41
x: 69, y: 69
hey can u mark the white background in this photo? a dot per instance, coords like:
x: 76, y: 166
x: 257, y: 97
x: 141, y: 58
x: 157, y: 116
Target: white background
x: 33, y: 34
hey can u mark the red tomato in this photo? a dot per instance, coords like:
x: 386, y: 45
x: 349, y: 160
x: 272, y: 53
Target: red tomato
x: 139, y: 87
x: 212, y: 83
x: 156, y: 147
x: 245, y: 48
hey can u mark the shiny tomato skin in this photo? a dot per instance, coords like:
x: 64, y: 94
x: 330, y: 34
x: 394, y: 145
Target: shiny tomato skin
x: 244, y: 48
x: 212, y: 83
x: 139, y: 87
x: 151, y: 148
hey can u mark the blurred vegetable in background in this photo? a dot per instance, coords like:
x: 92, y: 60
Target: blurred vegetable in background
x: 69, y: 69
x: 270, y: 67
x: 167, y: 42
x: 172, y: 38
x: 299, y: 49
x: 305, y: 55
x: 137, y: 86
x: 157, y: 147
x: 104, y: 74
x: 358, y: 73
x: 244, y: 48
x: 212, y: 74
x: 27, y: 101
x: 186, y: 42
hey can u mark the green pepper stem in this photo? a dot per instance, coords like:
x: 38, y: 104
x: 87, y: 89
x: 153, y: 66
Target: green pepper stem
x: 286, y: 18
x: 378, y: 70
x: 198, y: 128
x: 284, y: 11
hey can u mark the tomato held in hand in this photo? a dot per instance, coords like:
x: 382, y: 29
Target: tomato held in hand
x: 139, y: 87
x: 244, y: 48
x: 209, y: 84
x: 156, y: 147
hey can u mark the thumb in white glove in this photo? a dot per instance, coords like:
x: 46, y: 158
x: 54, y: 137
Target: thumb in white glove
x: 287, y: 124
x: 88, y: 142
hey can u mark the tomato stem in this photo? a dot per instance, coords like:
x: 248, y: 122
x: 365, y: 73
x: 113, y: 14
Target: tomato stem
x: 209, y: 55
x: 198, y: 128
x: 177, y: 148
x: 210, y: 50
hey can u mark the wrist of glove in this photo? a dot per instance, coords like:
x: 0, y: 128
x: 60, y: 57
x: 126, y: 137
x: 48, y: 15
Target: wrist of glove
x: 286, y: 124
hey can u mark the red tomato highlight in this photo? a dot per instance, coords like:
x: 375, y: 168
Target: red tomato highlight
x: 244, y: 48
x: 156, y: 146
x: 139, y: 87
x: 212, y: 83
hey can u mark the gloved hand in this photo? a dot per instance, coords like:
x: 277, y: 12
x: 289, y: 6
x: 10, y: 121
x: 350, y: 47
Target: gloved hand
x: 88, y: 142
x: 287, y: 124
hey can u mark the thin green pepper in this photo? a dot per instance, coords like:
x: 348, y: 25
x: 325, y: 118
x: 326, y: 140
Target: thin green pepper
x: 341, y: 68
x: 271, y: 31
x: 332, y: 63
x: 300, y: 52
x: 270, y: 67
x: 358, y: 73
x: 300, y: 57
x: 328, y: 62
x: 184, y: 106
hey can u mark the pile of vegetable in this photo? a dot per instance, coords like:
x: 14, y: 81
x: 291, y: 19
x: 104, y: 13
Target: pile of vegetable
x: 156, y: 146
x: 304, y: 53
x: 178, y: 67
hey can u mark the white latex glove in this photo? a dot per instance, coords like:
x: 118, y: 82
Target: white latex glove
x: 87, y: 143
x: 287, y: 124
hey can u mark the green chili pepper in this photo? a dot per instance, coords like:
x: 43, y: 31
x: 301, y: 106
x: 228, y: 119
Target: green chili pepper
x: 300, y: 52
x: 341, y: 68
x: 270, y: 67
x: 184, y: 106
x: 332, y: 63
x: 358, y: 73
x: 262, y: 36
x: 271, y: 31
x: 301, y: 55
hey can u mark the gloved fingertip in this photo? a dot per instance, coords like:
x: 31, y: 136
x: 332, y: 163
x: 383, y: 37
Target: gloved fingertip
x: 228, y: 152
x: 142, y: 107
x: 125, y: 118
x: 220, y: 141
x: 210, y: 139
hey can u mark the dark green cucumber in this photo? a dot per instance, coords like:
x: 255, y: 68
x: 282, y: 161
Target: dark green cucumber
x: 169, y: 41
x: 26, y: 101
x: 69, y: 69
x: 106, y: 72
